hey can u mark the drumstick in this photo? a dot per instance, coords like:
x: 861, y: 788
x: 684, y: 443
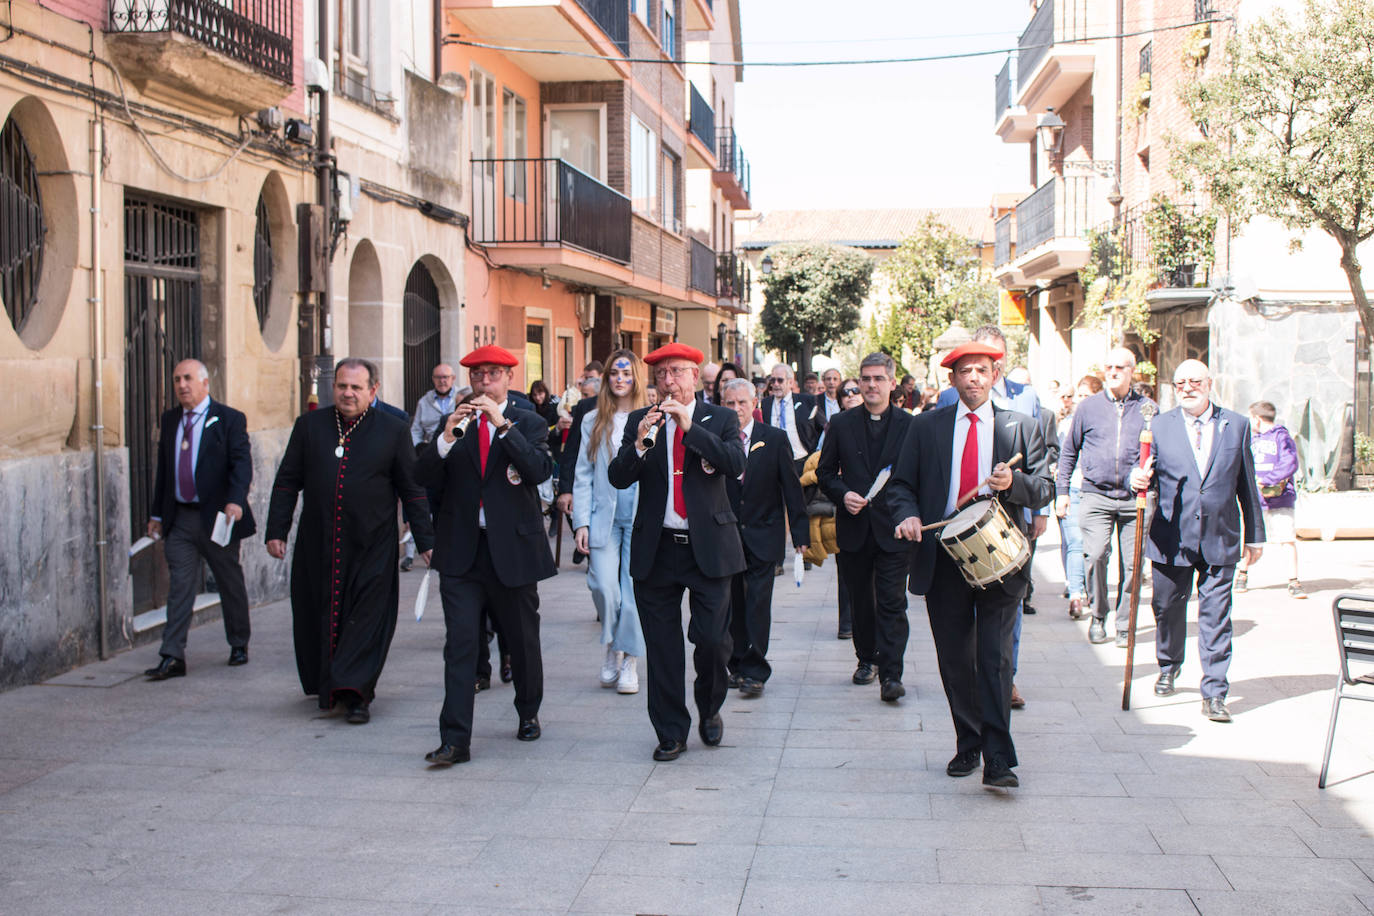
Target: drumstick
x: 1014, y: 459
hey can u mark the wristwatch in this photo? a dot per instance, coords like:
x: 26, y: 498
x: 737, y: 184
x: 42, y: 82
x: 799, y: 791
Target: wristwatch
x: 504, y: 428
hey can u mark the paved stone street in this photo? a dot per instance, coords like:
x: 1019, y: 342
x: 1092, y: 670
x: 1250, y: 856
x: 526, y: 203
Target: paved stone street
x: 228, y: 792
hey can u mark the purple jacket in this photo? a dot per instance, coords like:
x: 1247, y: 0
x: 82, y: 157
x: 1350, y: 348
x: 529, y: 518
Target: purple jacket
x: 1276, y: 460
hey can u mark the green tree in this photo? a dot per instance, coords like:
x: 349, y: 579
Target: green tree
x: 1288, y: 128
x: 811, y: 298
x: 936, y: 276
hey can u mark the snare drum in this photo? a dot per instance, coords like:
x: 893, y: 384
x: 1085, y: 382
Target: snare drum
x: 984, y: 543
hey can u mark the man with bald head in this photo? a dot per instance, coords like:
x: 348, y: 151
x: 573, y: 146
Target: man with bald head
x: 204, y: 467
x: 1209, y: 511
x: 1104, y: 442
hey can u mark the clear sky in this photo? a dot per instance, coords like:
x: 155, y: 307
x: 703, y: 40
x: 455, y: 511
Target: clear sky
x: 891, y: 135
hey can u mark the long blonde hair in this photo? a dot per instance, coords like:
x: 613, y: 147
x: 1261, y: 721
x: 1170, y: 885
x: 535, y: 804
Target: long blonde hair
x: 606, y: 400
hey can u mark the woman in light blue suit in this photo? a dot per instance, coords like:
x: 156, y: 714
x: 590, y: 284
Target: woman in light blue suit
x: 603, y: 519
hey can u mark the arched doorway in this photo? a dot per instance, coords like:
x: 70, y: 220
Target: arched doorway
x: 420, y: 315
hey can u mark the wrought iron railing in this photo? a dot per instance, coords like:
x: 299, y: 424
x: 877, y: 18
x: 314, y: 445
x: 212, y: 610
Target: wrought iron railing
x: 1202, y: 10
x: 548, y: 201
x: 1001, y: 245
x: 731, y: 280
x: 258, y: 33
x: 1153, y: 237
x: 702, y: 273
x: 1059, y: 208
x: 1004, y: 89
x: 1054, y: 22
x: 1146, y: 58
x: 701, y: 120
x: 730, y: 157
x: 613, y: 16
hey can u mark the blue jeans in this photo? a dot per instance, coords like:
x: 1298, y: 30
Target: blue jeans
x: 613, y: 592
x: 1071, y: 547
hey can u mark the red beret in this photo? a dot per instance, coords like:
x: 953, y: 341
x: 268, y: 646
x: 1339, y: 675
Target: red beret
x: 972, y: 348
x: 490, y: 355
x: 675, y: 351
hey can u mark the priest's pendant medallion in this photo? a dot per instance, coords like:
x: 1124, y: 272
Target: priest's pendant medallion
x: 338, y: 451
x: 185, y: 445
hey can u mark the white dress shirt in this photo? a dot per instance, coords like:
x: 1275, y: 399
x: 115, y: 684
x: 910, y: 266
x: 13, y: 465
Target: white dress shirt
x: 832, y: 407
x: 446, y: 446
x: 670, y: 517
x: 961, y: 423
x: 785, y: 418
x: 199, y: 412
x: 1201, y: 453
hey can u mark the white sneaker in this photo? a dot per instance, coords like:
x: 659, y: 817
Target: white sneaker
x: 629, y: 676
x: 610, y: 668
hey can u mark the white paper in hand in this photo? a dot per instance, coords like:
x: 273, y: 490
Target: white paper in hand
x: 406, y: 537
x: 422, y: 596
x: 879, y: 482
x: 224, y: 529
x: 140, y: 545
x: 798, y: 568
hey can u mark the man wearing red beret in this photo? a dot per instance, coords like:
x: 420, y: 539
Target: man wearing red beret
x: 685, y: 538
x: 949, y: 452
x: 491, y: 550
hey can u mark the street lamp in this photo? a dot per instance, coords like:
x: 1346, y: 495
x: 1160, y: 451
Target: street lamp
x: 720, y: 341
x: 1050, y: 127
x: 766, y: 265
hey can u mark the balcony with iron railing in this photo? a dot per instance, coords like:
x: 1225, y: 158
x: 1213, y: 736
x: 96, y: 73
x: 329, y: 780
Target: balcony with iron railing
x: 1053, y: 56
x: 1013, y: 125
x: 1173, y: 243
x: 159, y: 46
x: 701, y: 126
x: 613, y: 17
x: 731, y: 174
x: 1050, y: 231
x: 701, y: 274
x: 553, y: 41
x: 1001, y: 245
x: 732, y: 281
x: 549, y: 203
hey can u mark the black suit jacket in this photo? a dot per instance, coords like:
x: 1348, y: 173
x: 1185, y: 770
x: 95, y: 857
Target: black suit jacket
x: 223, y: 472
x: 1203, y: 518
x: 844, y: 467
x: 809, y: 416
x: 567, y: 460
x: 770, y: 484
x: 509, y: 492
x: 714, y: 454
x: 920, y: 480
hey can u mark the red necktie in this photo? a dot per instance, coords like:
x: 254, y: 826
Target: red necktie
x: 679, y: 460
x: 483, y: 443
x: 968, y: 467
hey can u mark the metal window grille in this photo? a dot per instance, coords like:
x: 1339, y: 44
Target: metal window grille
x: 420, y: 317
x: 263, y: 266
x: 1146, y: 55
x: 23, y: 230
x: 1202, y: 10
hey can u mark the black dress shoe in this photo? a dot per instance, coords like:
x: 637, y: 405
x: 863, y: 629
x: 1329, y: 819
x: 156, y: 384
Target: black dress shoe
x: 1164, y: 686
x: 750, y: 687
x: 358, y: 714
x: 963, y: 763
x: 483, y: 683
x: 1027, y: 608
x: 407, y: 564
x: 168, y: 667
x: 447, y: 755
x: 893, y: 691
x: 238, y: 655
x: 711, y: 730
x: 845, y: 634
x: 528, y: 730
x: 669, y: 750
x: 865, y: 674
x: 506, y: 673
x: 733, y: 680
x: 997, y: 774
x: 1215, y: 709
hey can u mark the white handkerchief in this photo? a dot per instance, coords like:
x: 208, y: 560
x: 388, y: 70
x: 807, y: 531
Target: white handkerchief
x: 140, y: 545
x: 879, y: 482
x: 422, y: 596
x: 798, y: 568
x: 224, y: 530
x: 211, y: 422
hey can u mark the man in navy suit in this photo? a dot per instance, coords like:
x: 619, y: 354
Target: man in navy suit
x: 1208, y: 509
x: 798, y: 415
x: 204, y: 467
x: 759, y: 496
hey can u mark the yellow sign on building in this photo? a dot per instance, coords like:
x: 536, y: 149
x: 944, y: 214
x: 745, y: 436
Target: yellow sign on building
x: 1013, y: 308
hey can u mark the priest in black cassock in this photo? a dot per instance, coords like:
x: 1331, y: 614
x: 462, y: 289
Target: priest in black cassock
x: 353, y: 463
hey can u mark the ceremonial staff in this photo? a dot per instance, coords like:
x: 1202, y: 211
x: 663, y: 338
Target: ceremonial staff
x: 1147, y: 412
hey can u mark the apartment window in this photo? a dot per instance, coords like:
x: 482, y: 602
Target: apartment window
x: 643, y: 157
x: 21, y: 214
x: 577, y: 135
x: 669, y: 36
x: 483, y: 115
x: 640, y: 8
x: 354, y: 42
x: 670, y: 215
x: 513, y: 142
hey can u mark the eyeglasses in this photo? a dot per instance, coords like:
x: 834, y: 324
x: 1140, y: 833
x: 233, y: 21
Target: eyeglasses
x: 849, y: 392
x: 776, y: 380
x: 489, y: 372
x: 1182, y: 383
x: 873, y: 379
x: 674, y: 371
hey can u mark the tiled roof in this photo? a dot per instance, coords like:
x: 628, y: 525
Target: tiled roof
x: 864, y: 228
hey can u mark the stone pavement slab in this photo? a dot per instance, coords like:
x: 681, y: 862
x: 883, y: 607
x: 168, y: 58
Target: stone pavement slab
x: 228, y: 791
